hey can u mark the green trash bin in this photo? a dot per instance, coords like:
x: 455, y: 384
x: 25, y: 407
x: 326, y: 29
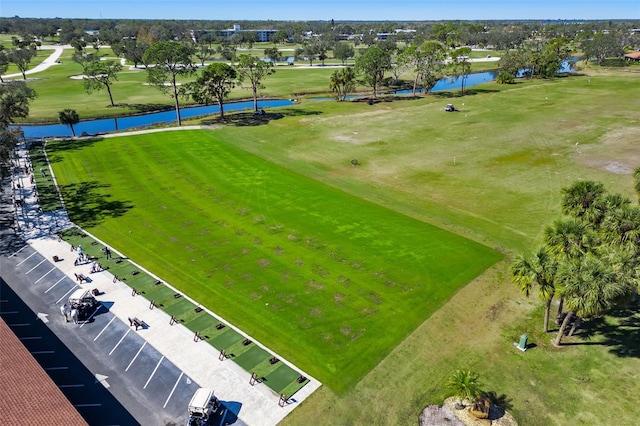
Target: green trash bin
x: 522, y: 345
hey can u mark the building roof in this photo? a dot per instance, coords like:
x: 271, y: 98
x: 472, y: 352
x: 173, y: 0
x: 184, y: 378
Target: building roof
x: 632, y: 55
x: 27, y: 393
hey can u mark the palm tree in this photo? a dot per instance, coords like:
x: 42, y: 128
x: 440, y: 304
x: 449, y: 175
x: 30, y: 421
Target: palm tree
x: 568, y: 238
x: 590, y: 287
x: 580, y: 197
x: 69, y: 117
x: 465, y: 384
x: 636, y: 179
x: 342, y: 81
x: 622, y: 227
x: 539, y: 269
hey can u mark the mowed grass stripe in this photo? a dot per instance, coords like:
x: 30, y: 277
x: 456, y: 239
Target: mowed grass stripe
x: 316, y: 274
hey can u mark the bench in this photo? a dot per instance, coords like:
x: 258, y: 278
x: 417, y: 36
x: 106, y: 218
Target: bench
x: 80, y: 278
x: 136, y: 322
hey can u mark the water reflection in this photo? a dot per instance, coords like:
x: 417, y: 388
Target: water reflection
x: 107, y: 125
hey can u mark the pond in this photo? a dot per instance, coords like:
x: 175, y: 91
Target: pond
x: 107, y: 125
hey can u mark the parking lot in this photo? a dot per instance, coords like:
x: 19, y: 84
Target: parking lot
x: 88, y: 358
x: 112, y: 372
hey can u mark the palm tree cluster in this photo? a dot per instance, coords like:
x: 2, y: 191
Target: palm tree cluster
x: 590, y: 258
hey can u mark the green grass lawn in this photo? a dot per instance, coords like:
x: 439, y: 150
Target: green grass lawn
x: 492, y: 172
x: 57, y: 89
x: 289, y: 260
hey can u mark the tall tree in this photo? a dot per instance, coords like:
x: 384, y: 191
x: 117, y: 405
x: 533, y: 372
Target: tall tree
x: 540, y: 270
x: 4, y: 62
x: 279, y: 37
x: 204, y: 53
x: 22, y: 57
x: 169, y: 60
x: 69, y: 117
x: 132, y: 50
x: 342, y: 82
x: 101, y: 74
x: 569, y: 238
x: 426, y: 61
x: 252, y: 69
x: 447, y: 34
x: 511, y: 63
x: 273, y: 54
x: 78, y: 45
x: 602, y: 46
x: 460, y: 65
x: 310, y: 50
x: 343, y: 51
x: 596, y: 247
x: 590, y: 288
x: 580, y: 199
x: 322, y: 46
x: 250, y: 38
x: 14, y: 103
x: 214, y: 84
x: 373, y: 63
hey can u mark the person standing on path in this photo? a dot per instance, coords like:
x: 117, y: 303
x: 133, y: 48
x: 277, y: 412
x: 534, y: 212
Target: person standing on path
x: 64, y: 310
x: 74, y: 315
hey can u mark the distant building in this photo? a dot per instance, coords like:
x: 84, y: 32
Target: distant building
x: 633, y: 56
x: 263, y: 35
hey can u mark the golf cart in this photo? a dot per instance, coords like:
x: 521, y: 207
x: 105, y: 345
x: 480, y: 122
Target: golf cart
x: 450, y: 108
x: 83, y: 301
x: 202, y: 405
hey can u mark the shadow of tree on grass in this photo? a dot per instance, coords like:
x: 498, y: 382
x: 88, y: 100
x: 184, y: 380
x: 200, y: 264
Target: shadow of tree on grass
x: 619, y: 330
x: 145, y: 108
x: 68, y: 145
x: 87, y: 205
x: 243, y: 119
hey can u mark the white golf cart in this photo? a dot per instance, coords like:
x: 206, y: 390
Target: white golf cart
x: 84, y: 302
x: 202, y: 405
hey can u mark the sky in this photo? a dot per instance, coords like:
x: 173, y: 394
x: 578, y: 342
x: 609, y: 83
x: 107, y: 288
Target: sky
x: 323, y: 10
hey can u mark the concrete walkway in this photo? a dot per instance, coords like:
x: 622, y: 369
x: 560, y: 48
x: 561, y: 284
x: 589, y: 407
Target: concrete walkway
x: 50, y: 61
x: 199, y: 360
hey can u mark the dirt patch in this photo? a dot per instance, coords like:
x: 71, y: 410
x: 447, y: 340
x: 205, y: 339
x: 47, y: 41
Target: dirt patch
x: 617, y: 153
x: 349, y: 138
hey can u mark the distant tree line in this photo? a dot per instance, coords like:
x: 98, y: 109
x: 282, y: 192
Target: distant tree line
x: 499, y: 33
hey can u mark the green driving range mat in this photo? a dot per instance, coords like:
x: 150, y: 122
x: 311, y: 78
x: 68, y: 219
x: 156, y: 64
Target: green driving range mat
x: 179, y: 308
x: 201, y: 322
x: 226, y: 339
x: 284, y: 378
x: 251, y: 358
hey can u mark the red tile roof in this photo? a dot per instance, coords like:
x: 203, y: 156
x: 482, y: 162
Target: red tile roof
x: 632, y: 55
x: 27, y: 394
